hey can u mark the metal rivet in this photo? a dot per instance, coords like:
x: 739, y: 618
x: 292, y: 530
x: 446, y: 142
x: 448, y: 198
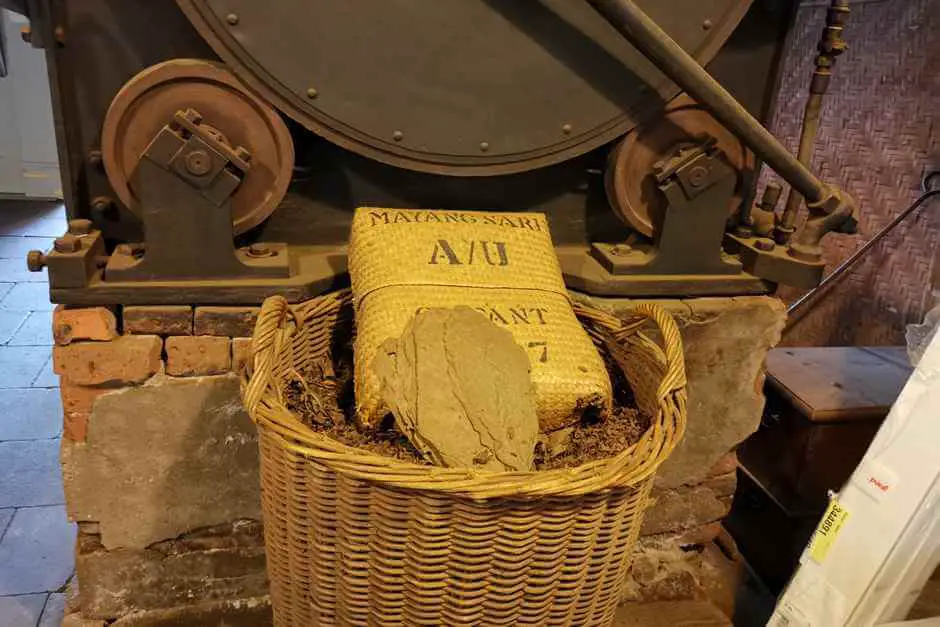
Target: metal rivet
x: 397, y: 136
x: 312, y: 93
x: 484, y: 146
x: 707, y: 25
x: 232, y: 18
x: 566, y: 129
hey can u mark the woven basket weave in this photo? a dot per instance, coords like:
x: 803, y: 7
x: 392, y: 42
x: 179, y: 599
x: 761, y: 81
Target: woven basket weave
x: 353, y: 538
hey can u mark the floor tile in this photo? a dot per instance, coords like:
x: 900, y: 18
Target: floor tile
x: 30, y: 414
x: 15, y: 270
x: 36, y: 330
x: 54, y: 611
x: 20, y: 365
x: 32, y: 218
x: 27, y: 297
x: 31, y: 474
x: 21, y: 611
x: 10, y: 321
x: 17, y: 246
x: 6, y: 515
x: 37, y: 552
x: 5, y: 289
x: 47, y: 378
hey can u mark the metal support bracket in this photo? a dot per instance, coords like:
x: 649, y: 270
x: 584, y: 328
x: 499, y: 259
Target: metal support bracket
x: 184, y: 182
x: 697, y: 182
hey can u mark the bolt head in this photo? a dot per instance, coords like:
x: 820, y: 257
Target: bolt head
x: 698, y: 175
x: 484, y: 146
x: 67, y: 244
x: 242, y: 153
x: 35, y: 260
x: 707, y: 25
x: 566, y: 129
x: 193, y: 116
x: 312, y: 93
x: 80, y: 227
x: 259, y: 250
x: 232, y: 19
x: 764, y: 243
x: 198, y: 163
x: 398, y: 136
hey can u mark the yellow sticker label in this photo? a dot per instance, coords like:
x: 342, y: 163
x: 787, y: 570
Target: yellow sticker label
x: 827, y: 531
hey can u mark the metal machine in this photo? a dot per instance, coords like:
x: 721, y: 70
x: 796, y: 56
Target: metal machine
x: 214, y: 150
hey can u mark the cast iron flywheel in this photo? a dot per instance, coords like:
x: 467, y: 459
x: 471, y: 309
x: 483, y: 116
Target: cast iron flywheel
x: 457, y: 87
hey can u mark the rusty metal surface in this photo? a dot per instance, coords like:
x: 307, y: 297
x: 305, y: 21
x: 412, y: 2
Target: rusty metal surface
x: 632, y: 189
x: 152, y: 97
x: 464, y: 87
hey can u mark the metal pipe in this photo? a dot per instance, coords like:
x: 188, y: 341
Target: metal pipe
x: 811, y: 117
x: 830, y: 46
x: 682, y: 69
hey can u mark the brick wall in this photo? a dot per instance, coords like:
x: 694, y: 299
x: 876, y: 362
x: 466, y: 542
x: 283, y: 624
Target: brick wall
x: 160, y: 463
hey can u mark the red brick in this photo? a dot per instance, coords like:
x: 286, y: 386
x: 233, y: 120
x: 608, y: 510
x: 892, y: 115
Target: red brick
x: 84, y: 323
x: 241, y: 353
x: 128, y: 359
x: 158, y: 320
x: 77, y: 401
x: 225, y: 321
x: 198, y: 355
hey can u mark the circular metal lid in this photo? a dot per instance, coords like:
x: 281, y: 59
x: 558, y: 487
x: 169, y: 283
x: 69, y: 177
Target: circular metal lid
x: 460, y: 87
x: 631, y: 187
x: 149, y: 100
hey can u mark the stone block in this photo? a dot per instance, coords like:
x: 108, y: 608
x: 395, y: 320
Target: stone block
x: 75, y: 619
x: 226, y: 321
x: 36, y: 552
x: 30, y: 474
x: 663, y: 569
x: 84, y: 323
x: 254, y: 612
x: 198, y: 355
x: 723, y: 485
x: 128, y: 359
x: 115, y: 583
x: 164, y: 458
x: 684, y: 508
x: 241, y: 353
x: 77, y: 402
x: 158, y: 320
x: 726, y: 341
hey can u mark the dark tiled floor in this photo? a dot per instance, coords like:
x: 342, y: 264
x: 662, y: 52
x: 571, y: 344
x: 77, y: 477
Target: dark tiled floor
x: 36, y: 539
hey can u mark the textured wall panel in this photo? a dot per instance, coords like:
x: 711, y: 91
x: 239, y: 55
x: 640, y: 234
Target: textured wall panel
x: 878, y: 133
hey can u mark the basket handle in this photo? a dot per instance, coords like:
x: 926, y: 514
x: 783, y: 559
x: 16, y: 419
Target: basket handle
x: 672, y: 344
x: 269, y: 333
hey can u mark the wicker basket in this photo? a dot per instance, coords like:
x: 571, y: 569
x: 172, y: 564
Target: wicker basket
x: 353, y: 538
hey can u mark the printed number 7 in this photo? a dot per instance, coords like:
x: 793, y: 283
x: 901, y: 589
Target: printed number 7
x: 543, y: 357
